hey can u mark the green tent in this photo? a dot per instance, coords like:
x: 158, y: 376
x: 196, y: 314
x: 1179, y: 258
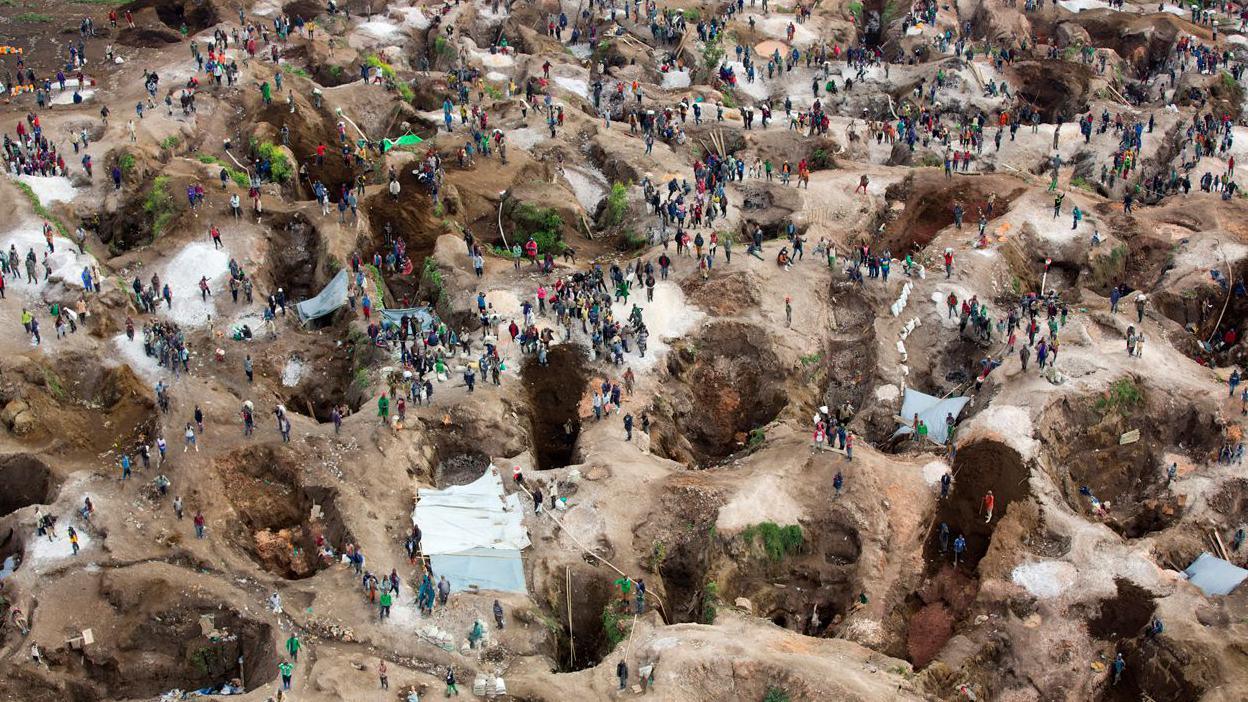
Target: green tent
x: 405, y: 140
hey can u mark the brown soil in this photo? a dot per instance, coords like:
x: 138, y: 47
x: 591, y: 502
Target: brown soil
x: 309, y: 128
x: 70, y: 400
x: 413, y: 221
x: 849, y: 356
x: 275, y: 525
x: 1125, y: 614
x: 928, y: 200
x: 27, y: 481
x: 196, y: 15
x: 147, y: 37
x: 727, y: 386
x: 1058, y: 89
x: 554, y: 392
x: 333, y: 383
x: 1131, y: 477
x: 160, y: 646
x: 296, y: 251
x: 1158, y: 669
x: 977, y: 468
x: 1144, y: 42
x: 937, y: 607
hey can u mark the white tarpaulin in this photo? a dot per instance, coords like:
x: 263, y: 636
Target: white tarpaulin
x: 1215, y: 576
x: 329, y: 299
x: 932, y: 410
x: 473, y: 534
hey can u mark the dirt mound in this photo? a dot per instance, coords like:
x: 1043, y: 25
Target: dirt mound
x: 928, y: 199
x: 1058, y: 89
x: 849, y: 355
x: 1198, y: 309
x: 147, y: 37
x: 1086, y: 435
x: 726, y: 386
x: 723, y: 292
x: 279, y: 518
x: 27, y: 481
x: 554, y: 392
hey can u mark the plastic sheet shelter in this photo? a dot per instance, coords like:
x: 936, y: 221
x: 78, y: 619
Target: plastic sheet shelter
x: 1215, y: 576
x: 405, y: 140
x: 932, y: 410
x: 328, y: 300
x: 474, y: 533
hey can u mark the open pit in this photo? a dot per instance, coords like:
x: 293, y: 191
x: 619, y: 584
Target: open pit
x: 727, y: 387
x: 69, y: 400
x: 1087, y: 452
x: 159, y: 644
x: 279, y: 518
x: 296, y: 251
x: 554, y: 392
x: 331, y: 382
x: 928, y: 199
x: 1059, y: 90
x: 27, y: 481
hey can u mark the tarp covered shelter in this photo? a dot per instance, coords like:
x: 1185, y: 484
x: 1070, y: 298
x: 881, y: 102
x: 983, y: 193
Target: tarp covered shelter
x: 932, y: 410
x: 473, y: 533
x: 1215, y: 576
x: 329, y: 299
x: 405, y: 140
x: 420, y: 313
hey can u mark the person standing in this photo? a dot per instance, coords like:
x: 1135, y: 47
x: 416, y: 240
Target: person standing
x: 451, y: 689
x: 959, y: 546
x: 384, y: 604
x: 293, y: 645
x: 1118, y: 666
x: 621, y: 672
x: 286, y: 669
x: 989, y: 503
x: 381, y: 674
x: 199, y: 524
x: 498, y: 614
x: 248, y: 369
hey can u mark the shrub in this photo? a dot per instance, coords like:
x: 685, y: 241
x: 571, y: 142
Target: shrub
x: 387, y: 71
x: 710, y: 602
x: 1122, y: 395
x: 442, y: 47
x: 777, y: 541
x: 158, y: 205
x: 279, y: 165
x: 405, y: 92
x: 713, y: 53
x: 821, y: 159
x: 33, y: 17
x: 777, y: 694
x: 613, y: 626
x: 617, y: 204
x: 126, y: 163
x: 543, y: 224
x: 756, y: 438
x: 170, y: 142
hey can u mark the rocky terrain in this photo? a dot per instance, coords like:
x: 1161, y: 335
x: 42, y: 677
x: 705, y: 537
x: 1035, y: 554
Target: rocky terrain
x: 775, y: 568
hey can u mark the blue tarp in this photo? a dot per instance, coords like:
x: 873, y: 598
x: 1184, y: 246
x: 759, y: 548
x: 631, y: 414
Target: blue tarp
x: 1215, y: 576
x: 486, y: 568
x: 932, y: 410
x: 329, y: 299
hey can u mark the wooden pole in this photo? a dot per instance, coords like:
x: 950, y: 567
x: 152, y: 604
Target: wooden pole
x: 567, y: 570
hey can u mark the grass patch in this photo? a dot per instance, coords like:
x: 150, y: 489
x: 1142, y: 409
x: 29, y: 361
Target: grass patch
x: 692, y: 15
x: 1080, y: 182
x: 634, y: 241
x: 756, y: 438
x: 298, y: 71
x: 614, y: 626
x: 361, y: 379
x: 405, y: 92
x: 822, y: 159
x: 158, y: 205
x: 713, y: 53
x: 387, y: 71
x: 53, y: 383
x: 729, y: 101
x: 1108, y: 268
x: 379, y: 286
x: 39, y: 209
x: 1122, y: 395
x: 617, y: 204
x: 170, y: 142
x: 240, y: 178
x: 710, y: 602
x: 443, y: 48
x: 126, y: 163
x: 776, y: 541
x: 543, y: 224
x: 33, y: 18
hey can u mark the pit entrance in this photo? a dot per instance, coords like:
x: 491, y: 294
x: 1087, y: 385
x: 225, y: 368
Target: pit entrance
x: 929, y: 199
x: 977, y: 468
x: 296, y: 246
x: 279, y: 519
x: 27, y: 481
x: 554, y: 392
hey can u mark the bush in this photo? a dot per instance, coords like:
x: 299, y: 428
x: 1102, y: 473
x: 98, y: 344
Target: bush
x: 777, y: 541
x: 387, y: 71
x: 405, y: 92
x: 713, y: 53
x: 543, y: 224
x: 1122, y: 395
x: 170, y: 142
x: 777, y: 694
x: 613, y: 626
x: 442, y: 47
x: 822, y: 159
x: 634, y: 241
x: 617, y: 204
x: 279, y: 165
x: 33, y: 18
x: 126, y: 163
x: 710, y: 602
x: 158, y: 205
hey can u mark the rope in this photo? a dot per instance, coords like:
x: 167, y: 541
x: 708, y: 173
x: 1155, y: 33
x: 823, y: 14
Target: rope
x: 1230, y: 292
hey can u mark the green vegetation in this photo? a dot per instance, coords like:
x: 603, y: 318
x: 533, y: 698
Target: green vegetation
x: 33, y: 18
x: 729, y: 101
x: 633, y: 241
x: 431, y: 280
x: 1081, y: 182
x: 822, y: 159
x: 170, y: 142
x: 240, y: 178
x: 53, y: 383
x: 774, y: 693
x: 1122, y: 395
x: 335, y: 71
x: 279, y: 165
x: 543, y: 224
x: 713, y: 53
x: 405, y: 91
x: 443, y: 48
x: 812, y: 358
x: 777, y: 541
x: 494, y: 91
x: 1105, y: 270
x: 387, y: 71
x: 710, y: 602
x: 658, y: 554
x: 298, y: 71
x: 39, y: 209
x: 613, y: 626
x: 855, y: 9
x: 379, y: 286
x: 361, y: 379
x: 756, y: 438
x: 158, y: 205
x: 617, y: 204
x: 692, y: 15
x: 126, y: 163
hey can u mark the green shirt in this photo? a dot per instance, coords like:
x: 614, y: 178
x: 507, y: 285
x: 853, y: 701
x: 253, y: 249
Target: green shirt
x: 285, y: 669
x: 385, y: 599
x: 292, y: 645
